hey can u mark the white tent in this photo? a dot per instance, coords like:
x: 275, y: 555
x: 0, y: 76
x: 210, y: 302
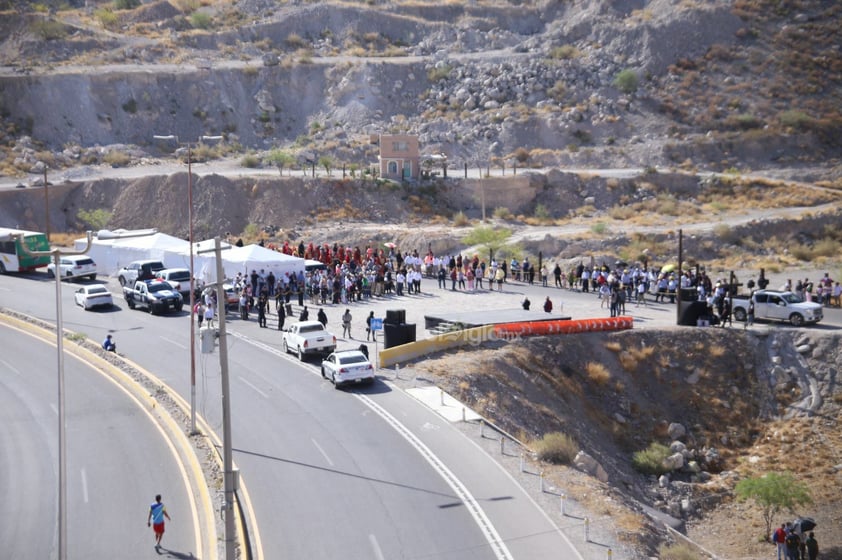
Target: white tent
x: 244, y: 260
x: 112, y: 254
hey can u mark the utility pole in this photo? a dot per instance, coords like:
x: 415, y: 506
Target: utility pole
x: 191, y: 240
x: 229, y: 477
x: 47, y: 207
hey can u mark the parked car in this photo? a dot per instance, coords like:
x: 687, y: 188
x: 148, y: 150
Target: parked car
x: 780, y: 306
x: 138, y: 270
x: 74, y: 266
x: 179, y: 279
x: 347, y: 367
x: 307, y: 338
x: 94, y: 295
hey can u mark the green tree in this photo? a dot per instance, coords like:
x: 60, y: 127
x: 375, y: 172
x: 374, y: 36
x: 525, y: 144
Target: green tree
x: 774, y: 492
x: 627, y: 81
x: 327, y: 163
x: 280, y: 159
x: 95, y: 219
x: 489, y: 237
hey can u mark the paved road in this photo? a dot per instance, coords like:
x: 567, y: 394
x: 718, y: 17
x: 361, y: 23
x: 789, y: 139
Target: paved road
x: 117, y: 460
x: 330, y: 474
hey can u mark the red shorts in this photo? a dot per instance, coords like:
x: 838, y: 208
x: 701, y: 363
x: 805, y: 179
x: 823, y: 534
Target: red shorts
x: 158, y: 528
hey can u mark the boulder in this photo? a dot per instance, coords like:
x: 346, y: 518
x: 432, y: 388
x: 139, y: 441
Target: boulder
x: 674, y: 461
x: 589, y: 465
x: 676, y: 431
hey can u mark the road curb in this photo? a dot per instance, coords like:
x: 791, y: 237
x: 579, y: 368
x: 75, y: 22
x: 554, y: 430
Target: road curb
x: 207, y: 540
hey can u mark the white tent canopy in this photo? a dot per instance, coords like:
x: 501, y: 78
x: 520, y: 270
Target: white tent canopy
x: 244, y: 260
x: 110, y: 255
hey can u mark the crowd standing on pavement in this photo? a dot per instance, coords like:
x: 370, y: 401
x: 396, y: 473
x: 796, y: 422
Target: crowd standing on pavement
x: 347, y: 275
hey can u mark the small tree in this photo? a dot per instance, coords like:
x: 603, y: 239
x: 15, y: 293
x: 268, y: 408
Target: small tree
x: 280, y: 159
x: 774, y: 492
x: 96, y: 219
x: 627, y: 81
x: 327, y: 163
x: 491, y: 238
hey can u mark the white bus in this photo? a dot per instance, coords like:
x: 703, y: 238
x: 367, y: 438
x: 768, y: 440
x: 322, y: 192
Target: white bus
x: 12, y: 256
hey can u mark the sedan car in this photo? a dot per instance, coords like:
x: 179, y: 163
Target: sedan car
x: 74, y: 266
x: 95, y: 295
x: 347, y: 367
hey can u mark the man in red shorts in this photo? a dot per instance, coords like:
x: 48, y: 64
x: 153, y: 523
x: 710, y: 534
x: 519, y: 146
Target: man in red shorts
x: 157, y: 512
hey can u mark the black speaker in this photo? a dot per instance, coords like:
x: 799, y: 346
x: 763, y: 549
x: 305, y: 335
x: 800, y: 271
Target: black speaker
x: 395, y: 316
x: 691, y: 311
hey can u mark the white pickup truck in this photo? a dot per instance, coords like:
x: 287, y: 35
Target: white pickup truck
x: 308, y: 338
x: 778, y: 306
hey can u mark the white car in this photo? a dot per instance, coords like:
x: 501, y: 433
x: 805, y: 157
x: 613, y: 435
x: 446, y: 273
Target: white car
x: 94, y: 295
x: 348, y: 367
x: 74, y: 266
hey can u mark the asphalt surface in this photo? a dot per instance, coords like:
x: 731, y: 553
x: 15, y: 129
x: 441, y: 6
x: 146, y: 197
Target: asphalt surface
x: 117, y: 460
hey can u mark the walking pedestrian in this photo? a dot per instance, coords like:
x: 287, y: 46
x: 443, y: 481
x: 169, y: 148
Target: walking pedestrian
x: 779, y: 538
x: 155, y: 519
x: 749, y: 315
x: 368, y: 324
x: 346, y: 323
x: 281, y: 317
x: 209, y: 314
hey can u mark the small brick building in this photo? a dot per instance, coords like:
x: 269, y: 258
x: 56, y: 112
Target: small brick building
x: 400, y: 157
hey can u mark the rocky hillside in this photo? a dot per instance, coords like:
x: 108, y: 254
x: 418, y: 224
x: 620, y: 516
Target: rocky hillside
x: 722, y: 84
x: 729, y: 404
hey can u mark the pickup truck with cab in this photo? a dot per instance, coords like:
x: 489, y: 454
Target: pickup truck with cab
x: 308, y: 338
x: 777, y: 306
x: 179, y: 279
x: 156, y: 296
x: 138, y: 270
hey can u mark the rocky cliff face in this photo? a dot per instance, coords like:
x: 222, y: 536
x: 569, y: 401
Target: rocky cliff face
x: 597, y: 83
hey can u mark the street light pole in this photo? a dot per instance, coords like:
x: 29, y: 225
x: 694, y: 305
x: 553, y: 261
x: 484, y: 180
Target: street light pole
x: 191, y: 240
x: 56, y: 254
x: 229, y: 476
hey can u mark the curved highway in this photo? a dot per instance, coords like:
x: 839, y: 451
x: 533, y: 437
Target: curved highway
x: 368, y: 474
x: 117, y: 460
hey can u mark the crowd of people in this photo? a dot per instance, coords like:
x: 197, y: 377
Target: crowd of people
x: 793, y: 543
x: 351, y: 274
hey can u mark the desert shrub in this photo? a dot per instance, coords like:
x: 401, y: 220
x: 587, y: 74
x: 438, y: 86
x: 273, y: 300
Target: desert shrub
x: 48, y: 29
x: 599, y: 228
x: 557, y: 448
x: 460, y: 219
x: 827, y: 247
x: 747, y: 122
x: 801, y: 252
x: 250, y: 161
x: 557, y: 91
x: 651, y: 459
x: 503, y: 213
x: 522, y: 155
x: 564, y: 52
x: 678, y: 551
x: 95, y: 219
x: 438, y: 73
x: 597, y: 373
x: 126, y: 4
x: 541, y: 212
x: 627, y: 81
x: 794, y: 119
x: 620, y: 212
x: 200, y: 20
x: 130, y: 106
x: 116, y: 158
x: 295, y: 41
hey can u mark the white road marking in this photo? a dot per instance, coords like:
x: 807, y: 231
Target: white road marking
x: 322, y: 451
x: 496, y: 543
x: 378, y: 554
x: 174, y: 343
x: 84, y: 486
x: 253, y: 386
x: 10, y: 367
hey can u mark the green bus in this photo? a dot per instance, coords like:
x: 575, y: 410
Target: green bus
x: 12, y: 256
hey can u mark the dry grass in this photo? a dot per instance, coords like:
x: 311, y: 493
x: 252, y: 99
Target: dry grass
x: 597, y: 373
